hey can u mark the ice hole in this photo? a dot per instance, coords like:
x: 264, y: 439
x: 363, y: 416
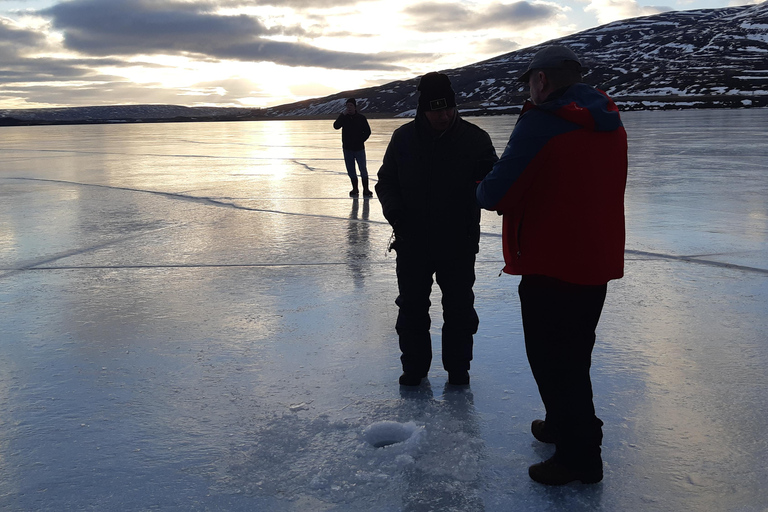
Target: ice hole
x: 387, y: 433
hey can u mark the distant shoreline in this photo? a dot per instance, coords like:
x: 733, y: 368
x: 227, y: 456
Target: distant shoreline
x: 625, y: 103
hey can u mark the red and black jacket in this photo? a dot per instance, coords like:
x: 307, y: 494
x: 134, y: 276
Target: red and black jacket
x: 560, y: 186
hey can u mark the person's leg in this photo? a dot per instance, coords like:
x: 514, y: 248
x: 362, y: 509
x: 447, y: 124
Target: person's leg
x: 456, y: 278
x: 581, y: 434
x: 349, y: 161
x: 362, y: 165
x: 414, y: 281
x: 559, y: 322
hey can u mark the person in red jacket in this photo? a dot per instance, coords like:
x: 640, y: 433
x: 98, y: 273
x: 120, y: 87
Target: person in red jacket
x: 560, y: 187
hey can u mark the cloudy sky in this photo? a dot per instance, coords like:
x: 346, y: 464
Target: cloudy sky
x: 258, y: 53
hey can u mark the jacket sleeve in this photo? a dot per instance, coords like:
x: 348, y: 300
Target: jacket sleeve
x: 388, y: 187
x: 366, y: 129
x: 523, y: 146
x: 339, y: 122
x: 486, y: 158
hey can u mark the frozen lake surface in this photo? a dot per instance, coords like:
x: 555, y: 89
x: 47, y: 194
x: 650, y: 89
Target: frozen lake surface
x: 197, y: 317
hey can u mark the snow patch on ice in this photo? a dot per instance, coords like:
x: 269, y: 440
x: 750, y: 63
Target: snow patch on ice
x: 427, y: 447
x: 388, y: 434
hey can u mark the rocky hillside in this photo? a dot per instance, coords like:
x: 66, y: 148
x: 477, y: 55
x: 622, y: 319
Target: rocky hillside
x: 685, y: 59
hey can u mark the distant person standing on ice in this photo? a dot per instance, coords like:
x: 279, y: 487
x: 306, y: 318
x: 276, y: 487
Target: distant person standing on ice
x: 560, y: 186
x: 427, y: 191
x: 354, y: 132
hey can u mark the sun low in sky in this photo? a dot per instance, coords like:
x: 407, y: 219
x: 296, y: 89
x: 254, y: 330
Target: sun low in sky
x: 259, y: 53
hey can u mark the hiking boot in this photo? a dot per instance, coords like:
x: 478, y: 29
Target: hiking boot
x: 458, y: 378
x: 410, y: 379
x: 540, y: 432
x: 552, y: 472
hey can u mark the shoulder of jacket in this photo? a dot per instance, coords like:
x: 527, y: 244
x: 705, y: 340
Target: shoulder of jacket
x: 533, y: 116
x: 473, y: 128
x: 405, y: 130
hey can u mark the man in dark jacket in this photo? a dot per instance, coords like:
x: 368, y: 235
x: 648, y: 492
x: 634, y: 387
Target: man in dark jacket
x: 427, y: 191
x: 354, y: 132
x: 560, y: 186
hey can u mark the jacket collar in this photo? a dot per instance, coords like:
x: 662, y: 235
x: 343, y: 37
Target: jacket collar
x: 425, y: 131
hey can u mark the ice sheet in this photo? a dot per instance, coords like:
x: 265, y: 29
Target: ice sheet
x: 197, y: 317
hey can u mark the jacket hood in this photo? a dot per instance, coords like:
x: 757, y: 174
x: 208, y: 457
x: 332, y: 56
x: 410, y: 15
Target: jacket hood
x: 585, y: 106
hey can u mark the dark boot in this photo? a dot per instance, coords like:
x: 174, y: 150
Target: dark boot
x: 410, y: 379
x: 541, y: 432
x: 458, y: 378
x: 366, y: 191
x: 554, y: 472
x: 354, y: 192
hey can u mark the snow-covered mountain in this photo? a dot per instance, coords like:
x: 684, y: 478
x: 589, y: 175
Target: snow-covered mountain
x: 685, y: 59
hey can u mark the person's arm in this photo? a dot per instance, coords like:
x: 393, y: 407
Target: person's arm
x: 366, y: 129
x: 493, y: 193
x: 486, y: 158
x: 339, y: 121
x: 388, y: 187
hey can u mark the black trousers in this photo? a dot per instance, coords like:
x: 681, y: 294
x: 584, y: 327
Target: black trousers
x: 455, y: 276
x: 559, y: 322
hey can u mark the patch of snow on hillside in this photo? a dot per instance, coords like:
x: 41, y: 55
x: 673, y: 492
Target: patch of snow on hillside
x: 687, y: 48
x: 664, y: 91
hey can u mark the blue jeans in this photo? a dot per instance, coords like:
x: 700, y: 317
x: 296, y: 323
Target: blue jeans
x: 349, y: 159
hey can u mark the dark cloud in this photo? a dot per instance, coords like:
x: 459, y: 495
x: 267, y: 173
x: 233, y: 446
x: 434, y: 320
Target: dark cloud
x: 519, y: 14
x: 496, y: 46
x: 128, y: 27
x: 444, y: 17
x: 18, y: 60
x: 136, y: 27
x: 16, y: 44
x: 299, y: 54
x: 438, y: 17
x: 26, y: 77
x: 18, y: 39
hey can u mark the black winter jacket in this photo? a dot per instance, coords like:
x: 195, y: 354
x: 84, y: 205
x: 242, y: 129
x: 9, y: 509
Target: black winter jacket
x: 354, y: 131
x: 427, y: 187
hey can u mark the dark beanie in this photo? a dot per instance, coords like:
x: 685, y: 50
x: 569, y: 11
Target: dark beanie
x: 352, y: 101
x: 436, y: 92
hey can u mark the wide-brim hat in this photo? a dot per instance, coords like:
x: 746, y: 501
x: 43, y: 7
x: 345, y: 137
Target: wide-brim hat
x: 553, y: 57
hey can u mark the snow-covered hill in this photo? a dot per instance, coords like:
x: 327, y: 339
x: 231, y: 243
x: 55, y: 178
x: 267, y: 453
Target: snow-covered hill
x: 684, y: 59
